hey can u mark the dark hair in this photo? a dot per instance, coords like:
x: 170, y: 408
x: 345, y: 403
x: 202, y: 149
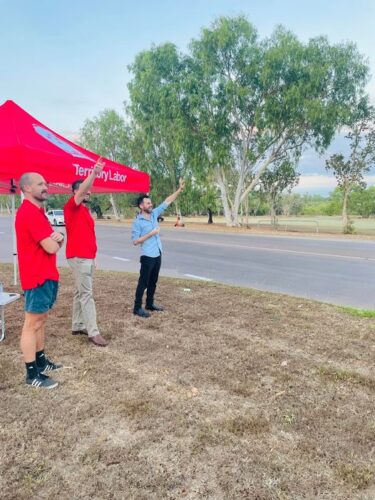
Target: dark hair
x: 141, y: 198
x: 76, y: 184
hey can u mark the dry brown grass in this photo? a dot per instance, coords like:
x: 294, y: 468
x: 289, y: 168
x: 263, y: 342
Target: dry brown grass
x: 230, y: 393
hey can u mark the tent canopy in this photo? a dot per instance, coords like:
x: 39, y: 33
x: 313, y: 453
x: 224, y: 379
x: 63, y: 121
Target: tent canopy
x: 26, y: 145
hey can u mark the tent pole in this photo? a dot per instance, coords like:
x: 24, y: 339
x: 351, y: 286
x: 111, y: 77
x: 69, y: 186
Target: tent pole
x: 13, y: 196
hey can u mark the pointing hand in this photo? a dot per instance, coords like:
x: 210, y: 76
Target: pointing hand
x: 98, y: 167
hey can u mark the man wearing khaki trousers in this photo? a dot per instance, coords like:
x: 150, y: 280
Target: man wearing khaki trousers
x: 81, y: 252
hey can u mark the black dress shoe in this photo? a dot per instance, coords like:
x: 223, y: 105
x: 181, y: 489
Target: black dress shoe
x: 155, y: 307
x: 141, y: 312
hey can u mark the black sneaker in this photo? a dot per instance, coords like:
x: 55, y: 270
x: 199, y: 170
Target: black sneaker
x: 155, y: 307
x: 41, y: 381
x: 141, y: 312
x: 50, y: 366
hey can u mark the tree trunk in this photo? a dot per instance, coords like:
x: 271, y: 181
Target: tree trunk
x: 98, y: 211
x: 114, y: 207
x: 247, y: 210
x: 273, y: 214
x: 237, y: 202
x: 224, y: 197
x: 345, y: 210
x: 210, y: 220
x: 231, y: 210
x: 235, y: 208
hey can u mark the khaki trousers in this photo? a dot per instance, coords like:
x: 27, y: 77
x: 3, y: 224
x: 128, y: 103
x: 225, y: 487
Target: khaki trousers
x: 84, y: 311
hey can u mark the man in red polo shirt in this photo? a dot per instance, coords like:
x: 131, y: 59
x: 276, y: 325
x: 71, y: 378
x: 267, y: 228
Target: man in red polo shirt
x: 80, y: 253
x: 37, y: 245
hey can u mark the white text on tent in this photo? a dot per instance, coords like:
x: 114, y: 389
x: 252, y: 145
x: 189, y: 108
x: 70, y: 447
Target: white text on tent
x: 106, y: 175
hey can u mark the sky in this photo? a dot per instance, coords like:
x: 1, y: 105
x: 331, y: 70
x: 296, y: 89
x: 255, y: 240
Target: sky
x: 65, y: 61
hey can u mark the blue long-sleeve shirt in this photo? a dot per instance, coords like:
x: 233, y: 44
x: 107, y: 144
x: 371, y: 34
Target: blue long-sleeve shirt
x: 141, y: 226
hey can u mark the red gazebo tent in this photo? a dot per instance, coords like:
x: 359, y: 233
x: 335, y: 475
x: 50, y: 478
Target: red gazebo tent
x: 26, y: 145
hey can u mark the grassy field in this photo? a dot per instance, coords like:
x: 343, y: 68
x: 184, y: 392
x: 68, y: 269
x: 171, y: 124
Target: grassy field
x: 302, y: 224
x: 229, y: 394
x: 320, y: 224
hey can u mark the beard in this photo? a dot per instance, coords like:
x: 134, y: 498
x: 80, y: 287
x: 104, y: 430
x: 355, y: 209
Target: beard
x: 42, y: 196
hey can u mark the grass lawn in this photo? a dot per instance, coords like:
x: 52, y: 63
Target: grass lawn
x: 230, y: 393
x: 313, y: 224
x: 364, y: 228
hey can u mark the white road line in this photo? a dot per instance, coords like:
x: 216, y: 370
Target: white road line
x: 280, y: 250
x: 121, y: 258
x: 198, y: 277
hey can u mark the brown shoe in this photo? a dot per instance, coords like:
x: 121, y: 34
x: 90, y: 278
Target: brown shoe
x: 79, y: 332
x: 98, y: 340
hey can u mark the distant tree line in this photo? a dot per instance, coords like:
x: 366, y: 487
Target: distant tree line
x: 361, y: 203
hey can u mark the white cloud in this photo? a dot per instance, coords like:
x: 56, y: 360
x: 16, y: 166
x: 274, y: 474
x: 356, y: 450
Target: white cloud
x: 323, y: 183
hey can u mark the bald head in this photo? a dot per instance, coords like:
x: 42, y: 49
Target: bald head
x: 25, y: 180
x: 34, y: 187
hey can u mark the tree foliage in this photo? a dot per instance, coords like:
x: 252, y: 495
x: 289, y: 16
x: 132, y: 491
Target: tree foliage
x: 233, y: 114
x: 235, y: 104
x: 108, y: 135
x: 157, y: 120
x: 256, y: 102
x: 349, y: 172
x: 275, y: 180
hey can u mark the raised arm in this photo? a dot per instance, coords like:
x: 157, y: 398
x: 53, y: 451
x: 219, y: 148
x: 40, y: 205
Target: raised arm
x: 88, y: 182
x: 173, y: 196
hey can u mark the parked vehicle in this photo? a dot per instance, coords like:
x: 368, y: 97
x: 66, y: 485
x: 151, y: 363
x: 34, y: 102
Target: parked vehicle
x: 56, y: 217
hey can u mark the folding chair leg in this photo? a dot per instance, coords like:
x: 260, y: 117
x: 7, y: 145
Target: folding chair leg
x: 2, y: 321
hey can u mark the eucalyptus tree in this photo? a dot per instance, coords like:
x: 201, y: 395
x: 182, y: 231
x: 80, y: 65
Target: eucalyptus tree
x: 349, y: 172
x: 158, y: 123
x: 251, y: 102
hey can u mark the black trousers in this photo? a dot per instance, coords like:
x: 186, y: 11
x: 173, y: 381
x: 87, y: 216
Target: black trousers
x: 149, y: 274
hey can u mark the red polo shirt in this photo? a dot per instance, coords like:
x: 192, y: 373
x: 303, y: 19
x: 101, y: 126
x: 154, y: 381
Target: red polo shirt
x: 35, y: 264
x: 80, y: 230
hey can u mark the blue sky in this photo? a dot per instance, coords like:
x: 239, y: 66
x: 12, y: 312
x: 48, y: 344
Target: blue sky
x: 64, y: 61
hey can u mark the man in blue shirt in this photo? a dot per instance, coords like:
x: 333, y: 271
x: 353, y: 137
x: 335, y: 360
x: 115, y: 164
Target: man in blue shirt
x: 145, y: 232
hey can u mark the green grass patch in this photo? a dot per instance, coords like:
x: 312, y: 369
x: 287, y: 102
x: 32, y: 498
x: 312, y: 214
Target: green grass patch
x: 356, y: 311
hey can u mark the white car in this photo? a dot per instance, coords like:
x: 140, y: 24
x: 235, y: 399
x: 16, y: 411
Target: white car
x: 56, y: 217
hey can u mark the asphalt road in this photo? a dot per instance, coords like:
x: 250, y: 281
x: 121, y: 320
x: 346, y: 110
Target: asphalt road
x: 331, y: 270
